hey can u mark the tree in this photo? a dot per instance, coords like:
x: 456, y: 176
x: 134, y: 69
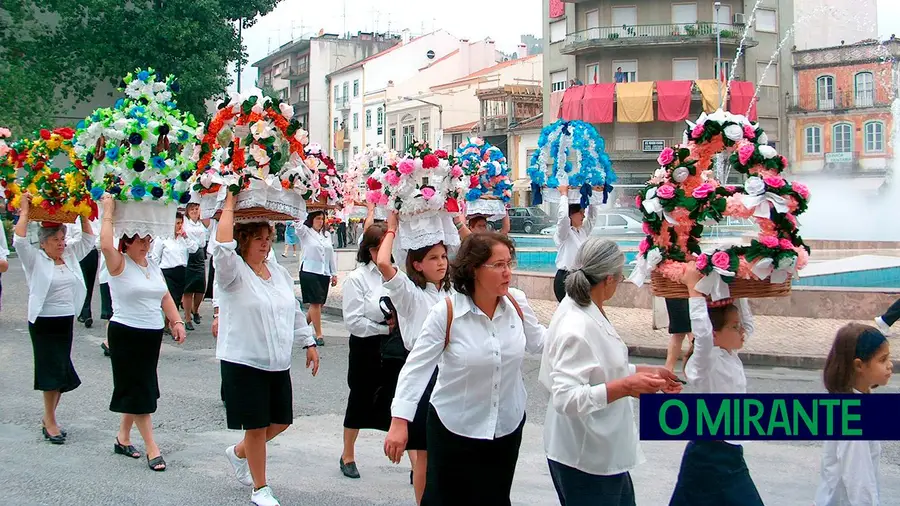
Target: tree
x: 67, y: 47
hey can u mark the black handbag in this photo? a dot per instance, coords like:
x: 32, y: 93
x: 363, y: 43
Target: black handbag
x: 392, y: 347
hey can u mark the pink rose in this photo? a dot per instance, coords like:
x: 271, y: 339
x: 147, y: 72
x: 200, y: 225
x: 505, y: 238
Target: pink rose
x: 697, y: 131
x: 644, y: 246
x: 790, y: 218
x: 373, y: 196
x: 4, y: 132
x: 801, y: 190
x: 745, y: 152
x: 703, y: 191
x: 646, y: 228
x: 406, y: 166
x: 665, y: 191
x: 637, y: 201
x: 456, y: 171
x: 749, y: 132
x: 786, y: 244
x: 427, y: 193
x: 784, y: 161
x: 430, y: 161
x: 702, y: 262
x: 666, y: 157
x: 392, y: 178
x: 774, y: 181
x: 731, y: 188
x: 4, y: 149
x: 769, y: 241
x: 721, y: 260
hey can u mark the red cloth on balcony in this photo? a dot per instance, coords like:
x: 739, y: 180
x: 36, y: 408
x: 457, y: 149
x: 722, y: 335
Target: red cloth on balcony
x: 597, y: 105
x: 557, y: 8
x: 556, y: 99
x: 571, y: 104
x: 740, y: 100
x: 673, y: 100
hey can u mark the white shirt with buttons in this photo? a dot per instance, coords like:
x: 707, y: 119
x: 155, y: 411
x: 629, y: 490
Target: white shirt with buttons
x: 569, y: 239
x: 412, y: 304
x: 849, y: 474
x: 362, y: 293
x: 318, y: 252
x: 479, y: 392
x: 173, y: 252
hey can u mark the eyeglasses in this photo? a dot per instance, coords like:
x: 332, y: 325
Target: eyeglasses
x: 501, y: 266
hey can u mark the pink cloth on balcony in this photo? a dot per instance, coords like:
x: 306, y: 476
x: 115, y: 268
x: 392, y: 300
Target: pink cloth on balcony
x: 571, y: 103
x: 556, y: 99
x: 673, y: 101
x: 741, y: 98
x: 557, y: 8
x: 597, y: 105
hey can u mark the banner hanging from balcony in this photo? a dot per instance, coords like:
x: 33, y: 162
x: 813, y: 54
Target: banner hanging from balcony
x: 571, y: 104
x: 598, y: 103
x: 635, y: 102
x: 709, y: 94
x: 557, y: 8
x: 741, y: 100
x: 673, y: 100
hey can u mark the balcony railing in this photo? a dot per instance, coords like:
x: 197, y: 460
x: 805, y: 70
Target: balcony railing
x: 298, y: 72
x: 300, y: 103
x: 653, y: 35
x: 837, y: 101
x: 342, y: 103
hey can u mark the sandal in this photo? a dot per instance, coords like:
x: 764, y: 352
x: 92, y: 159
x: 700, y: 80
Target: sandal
x: 105, y: 349
x: 155, y: 464
x: 128, y: 451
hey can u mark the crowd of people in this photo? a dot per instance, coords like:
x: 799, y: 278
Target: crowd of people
x: 438, y: 338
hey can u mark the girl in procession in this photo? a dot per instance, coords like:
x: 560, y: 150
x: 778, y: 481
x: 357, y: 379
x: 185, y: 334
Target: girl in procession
x: 573, y: 226
x: 140, y: 301
x: 173, y: 256
x: 195, y: 273
x: 56, y: 291
x: 713, y: 366
x: 259, y: 321
x: 477, y: 338
x: 319, y: 267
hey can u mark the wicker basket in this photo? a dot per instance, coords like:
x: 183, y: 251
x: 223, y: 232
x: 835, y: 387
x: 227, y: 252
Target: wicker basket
x: 38, y: 213
x: 257, y: 214
x: 662, y: 286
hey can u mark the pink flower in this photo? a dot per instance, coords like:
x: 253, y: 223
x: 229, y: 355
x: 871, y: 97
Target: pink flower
x: 374, y: 196
x: 769, y: 241
x: 4, y: 149
x: 703, y: 191
x: 665, y: 191
x: 702, y: 262
x: 721, y: 260
x: 790, y: 218
x: 406, y: 166
x: 774, y: 181
x: 731, y: 188
x: 427, y: 193
x: 456, y: 171
x: 666, y: 157
x: 786, y: 244
x: 392, y: 177
x: 801, y: 190
x: 745, y: 152
x: 644, y: 246
x: 802, y: 257
x: 646, y: 228
x: 637, y: 201
x: 4, y: 132
x: 697, y: 131
x: 749, y: 132
x: 784, y: 161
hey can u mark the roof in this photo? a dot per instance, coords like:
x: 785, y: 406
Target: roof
x: 487, y: 71
x: 362, y: 62
x: 465, y: 127
x: 442, y: 58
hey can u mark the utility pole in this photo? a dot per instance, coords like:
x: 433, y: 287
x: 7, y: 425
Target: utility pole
x: 241, y: 42
x: 719, y: 68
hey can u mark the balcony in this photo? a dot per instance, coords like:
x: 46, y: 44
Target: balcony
x: 342, y: 103
x: 836, y: 103
x: 300, y: 104
x: 653, y: 36
x: 638, y: 148
x: 298, y: 72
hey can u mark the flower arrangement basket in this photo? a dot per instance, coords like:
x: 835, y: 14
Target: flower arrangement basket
x: 490, y: 187
x: 740, y: 288
x: 40, y: 214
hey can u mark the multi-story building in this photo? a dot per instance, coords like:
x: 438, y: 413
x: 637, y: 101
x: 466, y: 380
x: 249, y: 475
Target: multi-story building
x: 297, y: 73
x: 828, y: 23
x: 649, y: 41
x: 840, y: 111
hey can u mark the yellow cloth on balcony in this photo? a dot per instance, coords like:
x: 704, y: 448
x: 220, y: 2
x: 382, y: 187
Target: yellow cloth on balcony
x: 339, y: 140
x: 709, y: 93
x: 634, y: 102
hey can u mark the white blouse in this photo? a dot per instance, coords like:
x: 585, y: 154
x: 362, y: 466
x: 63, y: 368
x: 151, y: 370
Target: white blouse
x: 712, y: 369
x: 582, y: 428
x: 73, y: 231
x: 479, y: 392
x: 61, y: 294
x: 137, y: 294
x: 39, y: 270
x: 363, y: 291
x: 173, y: 252
x: 849, y: 474
x: 412, y: 304
x: 259, y: 320
x: 196, y: 231
x: 318, y: 252
x: 569, y: 239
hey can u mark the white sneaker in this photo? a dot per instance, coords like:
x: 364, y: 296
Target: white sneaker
x: 264, y: 497
x: 882, y: 326
x: 241, y: 467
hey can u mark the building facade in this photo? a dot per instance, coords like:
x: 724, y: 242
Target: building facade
x: 297, y: 73
x: 829, y: 23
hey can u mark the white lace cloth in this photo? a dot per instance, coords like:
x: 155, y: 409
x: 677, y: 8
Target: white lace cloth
x: 494, y: 210
x: 145, y: 218
x: 259, y: 194
x: 427, y: 229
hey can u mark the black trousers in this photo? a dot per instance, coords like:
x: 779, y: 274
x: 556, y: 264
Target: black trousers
x: 891, y: 316
x: 578, y: 488
x: 559, y: 284
x: 210, y: 280
x: 89, y: 265
x: 714, y: 473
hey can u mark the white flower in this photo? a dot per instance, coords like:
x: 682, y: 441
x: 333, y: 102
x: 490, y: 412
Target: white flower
x: 706, y: 175
x: 719, y: 116
x: 734, y: 132
x: 206, y: 180
x: 763, y: 139
x: 660, y: 173
x: 768, y: 152
x: 258, y: 107
x: 654, y: 257
x: 301, y: 136
x: 259, y: 154
x: 787, y: 263
x: 680, y: 174
x: 754, y: 186
x: 287, y: 110
x: 261, y: 130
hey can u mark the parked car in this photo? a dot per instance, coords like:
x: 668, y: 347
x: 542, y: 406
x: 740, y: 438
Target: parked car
x: 609, y: 224
x: 526, y: 220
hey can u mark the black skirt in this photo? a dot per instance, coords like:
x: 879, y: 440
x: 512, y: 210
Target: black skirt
x: 210, y: 280
x: 134, y: 354
x: 314, y: 287
x: 384, y: 397
x: 106, y: 311
x: 575, y: 487
x: 255, y: 399
x: 464, y: 470
x: 51, y: 339
x: 175, y: 278
x: 679, y: 316
x: 706, y: 462
x: 418, y: 429
x: 559, y: 284
x: 195, y: 274
x: 364, y: 380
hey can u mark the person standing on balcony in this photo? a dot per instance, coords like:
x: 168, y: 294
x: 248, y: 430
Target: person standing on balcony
x: 572, y: 229
x: 621, y: 77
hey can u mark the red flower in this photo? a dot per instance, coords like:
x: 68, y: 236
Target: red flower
x: 452, y: 206
x: 440, y: 153
x: 45, y: 134
x: 373, y: 184
x: 54, y: 176
x: 473, y: 181
x: 65, y: 132
x: 430, y: 162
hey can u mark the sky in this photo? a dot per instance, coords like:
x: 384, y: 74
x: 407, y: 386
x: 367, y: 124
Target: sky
x: 502, y: 20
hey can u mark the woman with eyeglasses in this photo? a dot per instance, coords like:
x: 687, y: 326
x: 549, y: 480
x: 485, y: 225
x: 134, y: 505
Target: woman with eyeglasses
x: 477, y: 338
x: 56, y: 290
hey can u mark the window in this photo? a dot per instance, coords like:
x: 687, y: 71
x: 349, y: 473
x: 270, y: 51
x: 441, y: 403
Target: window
x: 456, y: 140
x: 592, y: 73
x: 766, y: 20
x: 558, y: 31
x: 355, y: 150
x: 409, y: 135
x: 393, y: 138
x: 685, y: 69
x: 724, y: 16
x: 425, y: 130
x: 813, y: 140
x: 380, y: 116
x: 684, y: 15
x: 626, y: 17
x: 771, y: 126
x: 825, y: 92
x: 336, y: 127
x: 614, y: 220
x: 368, y: 118
x: 842, y: 138
x: 283, y: 94
x: 336, y: 91
x: 864, y: 86
x: 303, y: 95
x: 356, y: 87
x: 346, y: 88
x: 874, y: 137
x: 356, y: 121
x: 558, y: 80
x: 592, y: 23
x: 771, y: 75
x: 725, y: 72
x: 628, y: 72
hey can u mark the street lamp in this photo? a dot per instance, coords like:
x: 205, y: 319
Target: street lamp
x: 440, y: 109
x: 719, y: 55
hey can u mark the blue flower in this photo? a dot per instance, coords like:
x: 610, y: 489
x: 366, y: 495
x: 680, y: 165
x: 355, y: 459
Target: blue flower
x: 157, y: 192
x: 96, y: 193
x: 175, y: 86
x: 158, y: 163
x: 80, y: 125
x: 473, y: 194
x: 112, y: 153
x: 138, y: 191
x: 182, y: 136
x: 136, y: 111
x: 171, y: 105
x: 142, y: 121
x: 143, y: 75
x: 120, y: 103
x: 184, y: 198
x: 135, y: 138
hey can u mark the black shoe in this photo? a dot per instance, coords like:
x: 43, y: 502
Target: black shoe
x: 188, y: 326
x: 197, y: 319
x: 62, y: 431
x: 349, y: 470
x: 58, y: 439
x: 105, y: 349
x: 88, y: 323
x: 81, y: 319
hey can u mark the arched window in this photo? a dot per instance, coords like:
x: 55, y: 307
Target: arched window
x: 874, y: 131
x: 825, y: 92
x: 813, y: 140
x: 368, y: 118
x: 864, y: 88
x: 842, y: 138
x: 380, y: 116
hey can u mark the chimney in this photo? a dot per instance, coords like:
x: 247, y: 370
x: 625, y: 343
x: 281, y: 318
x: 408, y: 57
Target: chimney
x: 464, y: 57
x: 404, y: 36
x: 522, y: 50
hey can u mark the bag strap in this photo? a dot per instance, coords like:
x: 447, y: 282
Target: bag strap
x: 449, y: 321
x: 516, y: 305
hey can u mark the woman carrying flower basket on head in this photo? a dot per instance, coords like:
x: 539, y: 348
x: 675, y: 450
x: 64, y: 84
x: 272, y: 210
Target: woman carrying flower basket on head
x: 195, y: 272
x: 319, y: 267
x: 56, y: 291
x: 573, y: 226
